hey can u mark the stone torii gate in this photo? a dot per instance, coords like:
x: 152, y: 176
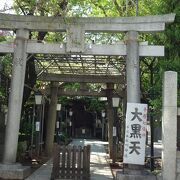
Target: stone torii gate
x: 75, y: 28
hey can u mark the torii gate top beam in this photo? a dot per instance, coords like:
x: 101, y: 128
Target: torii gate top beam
x: 82, y: 78
x: 75, y: 53
x: 109, y: 24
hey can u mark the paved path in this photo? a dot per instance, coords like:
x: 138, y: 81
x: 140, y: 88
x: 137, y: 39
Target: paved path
x: 157, y: 150
x: 99, y: 167
x: 43, y: 173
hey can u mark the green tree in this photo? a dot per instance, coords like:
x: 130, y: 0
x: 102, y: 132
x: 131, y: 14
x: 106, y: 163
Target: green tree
x: 5, y: 69
x: 172, y: 40
x: 152, y: 69
x: 42, y: 8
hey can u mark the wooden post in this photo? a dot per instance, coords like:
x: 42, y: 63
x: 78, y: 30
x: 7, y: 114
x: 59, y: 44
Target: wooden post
x: 51, y: 121
x: 73, y: 161
x: 110, y: 116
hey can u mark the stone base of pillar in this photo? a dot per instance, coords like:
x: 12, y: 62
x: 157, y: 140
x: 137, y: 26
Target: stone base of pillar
x: 14, y: 171
x: 143, y: 175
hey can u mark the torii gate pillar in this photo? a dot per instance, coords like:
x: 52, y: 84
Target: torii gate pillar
x: 16, y: 95
x: 132, y: 75
x: 14, y: 109
x: 133, y: 96
x: 132, y: 67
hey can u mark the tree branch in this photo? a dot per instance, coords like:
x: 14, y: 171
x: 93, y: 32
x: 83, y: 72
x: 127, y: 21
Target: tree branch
x: 21, y: 8
x: 118, y: 7
x: 103, y: 9
x: 100, y: 7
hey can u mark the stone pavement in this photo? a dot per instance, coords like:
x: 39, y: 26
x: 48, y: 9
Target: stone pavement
x: 99, y: 167
x: 43, y: 173
x: 157, y: 149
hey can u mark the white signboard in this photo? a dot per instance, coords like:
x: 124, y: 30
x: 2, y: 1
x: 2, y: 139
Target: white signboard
x: 83, y: 131
x: 57, y: 124
x: 37, y: 126
x: 114, y: 131
x: 135, y: 134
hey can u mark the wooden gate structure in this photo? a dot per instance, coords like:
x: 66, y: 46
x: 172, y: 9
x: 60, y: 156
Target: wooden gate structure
x: 71, y: 162
x: 106, y: 69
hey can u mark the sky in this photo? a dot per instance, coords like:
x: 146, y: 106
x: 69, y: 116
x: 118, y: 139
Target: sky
x: 5, y: 4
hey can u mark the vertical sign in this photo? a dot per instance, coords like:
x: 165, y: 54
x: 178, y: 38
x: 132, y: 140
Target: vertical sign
x: 83, y: 131
x: 57, y: 124
x: 135, y: 134
x: 37, y: 126
x: 114, y: 131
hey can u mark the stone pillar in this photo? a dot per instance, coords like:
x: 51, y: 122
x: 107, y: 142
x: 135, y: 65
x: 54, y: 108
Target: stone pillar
x: 169, y: 126
x: 16, y: 95
x: 51, y: 121
x: 132, y: 72
x: 110, y: 118
x: 133, y: 96
x: 132, y: 67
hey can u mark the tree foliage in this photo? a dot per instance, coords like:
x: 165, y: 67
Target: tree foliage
x: 5, y: 71
x: 155, y: 67
x: 42, y: 8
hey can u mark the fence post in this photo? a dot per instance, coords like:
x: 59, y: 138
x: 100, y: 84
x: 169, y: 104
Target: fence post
x: 79, y: 162
x: 68, y: 171
x: 56, y: 161
x: 88, y: 159
x: 74, y: 162
x: 71, y: 162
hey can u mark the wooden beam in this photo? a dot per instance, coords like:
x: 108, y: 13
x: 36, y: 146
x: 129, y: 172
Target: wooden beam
x: 118, y: 79
x: 101, y: 50
x: 62, y: 92
x: 80, y: 92
x: 112, y: 24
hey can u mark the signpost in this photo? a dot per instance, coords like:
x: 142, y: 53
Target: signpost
x: 135, y: 135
